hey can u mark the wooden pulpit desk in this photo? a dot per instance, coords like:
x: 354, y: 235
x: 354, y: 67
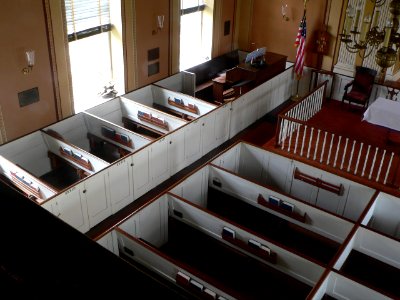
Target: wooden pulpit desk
x: 245, y: 77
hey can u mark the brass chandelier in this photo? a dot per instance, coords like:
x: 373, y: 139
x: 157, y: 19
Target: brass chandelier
x: 371, y: 37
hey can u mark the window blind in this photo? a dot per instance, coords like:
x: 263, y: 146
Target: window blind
x: 192, y: 6
x: 86, y: 18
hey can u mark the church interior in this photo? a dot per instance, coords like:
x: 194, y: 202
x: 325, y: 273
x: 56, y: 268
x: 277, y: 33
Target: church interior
x: 189, y: 149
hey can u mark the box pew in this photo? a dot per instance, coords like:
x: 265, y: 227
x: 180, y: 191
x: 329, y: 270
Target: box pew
x: 183, y: 82
x: 338, y: 286
x: 383, y: 215
x: 115, y: 134
x: 33, y: 154
x: 258, y: 165
x: 79, y: 158
x: 33, y: 187
x: 315, y: 186
x: 90, y: 201
x: 99, y: 137
x: 177, y: 104
x: 137, y: 117
x: 372, y: 260
x: 138, y: 113
x: 146, y: 234
x: 214, y: 189
x: 29, y: 152
x: 112, y: 111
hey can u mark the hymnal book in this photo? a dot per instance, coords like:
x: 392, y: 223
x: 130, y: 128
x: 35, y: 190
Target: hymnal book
x: 182, y: 279
x: 210, y: 293
x: 287, y: 206
x: 107, y: 132
x: 274, y: 201
x: 197, y: 285
x: 228, y: 232
x: 67, y: 151
x: 183, y: 276
x: 124, y: 138
x: 254, y: 244
x: 266, y: 249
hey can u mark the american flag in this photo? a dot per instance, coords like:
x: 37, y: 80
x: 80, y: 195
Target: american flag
x: 300, y: 43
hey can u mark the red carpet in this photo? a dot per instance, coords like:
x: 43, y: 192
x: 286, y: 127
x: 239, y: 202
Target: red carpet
x: 345, y: 121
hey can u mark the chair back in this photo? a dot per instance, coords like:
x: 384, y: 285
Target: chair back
x: 364, y: 79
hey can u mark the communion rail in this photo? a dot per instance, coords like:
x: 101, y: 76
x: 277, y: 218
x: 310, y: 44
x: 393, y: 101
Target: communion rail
x: 296, y: 137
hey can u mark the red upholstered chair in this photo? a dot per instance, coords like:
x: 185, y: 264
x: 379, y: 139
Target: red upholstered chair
x: 362, y: 86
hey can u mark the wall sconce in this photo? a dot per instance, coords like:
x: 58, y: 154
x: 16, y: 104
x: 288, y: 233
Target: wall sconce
x: 30, y: 60
x: 160, y: 24
x: 284, y: 12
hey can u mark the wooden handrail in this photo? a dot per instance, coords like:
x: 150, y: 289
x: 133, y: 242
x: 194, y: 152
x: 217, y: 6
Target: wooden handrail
x: 337, y: 189
x: 284, y: 111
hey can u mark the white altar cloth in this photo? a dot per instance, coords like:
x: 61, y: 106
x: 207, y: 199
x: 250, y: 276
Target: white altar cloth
x: 384, y: 112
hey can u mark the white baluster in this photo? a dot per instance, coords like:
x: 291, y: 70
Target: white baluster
x: 351, y: 156
x: 290, y: 139
x: 380, y: 166
x: 365, y: 161
x: 323, y: 148
x: 330, y: 149
x: 388, y: 168
x: 358, y: 158
x: 337, y: 150
x: 302, y: 143
x: 344, y: 153
x: 297, y: 138
x: 373, y: 164
x: 316, y: 144
x: 309, y: 143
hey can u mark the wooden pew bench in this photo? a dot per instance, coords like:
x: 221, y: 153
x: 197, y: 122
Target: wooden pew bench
x: 141, y: 128
x: 301, y: 240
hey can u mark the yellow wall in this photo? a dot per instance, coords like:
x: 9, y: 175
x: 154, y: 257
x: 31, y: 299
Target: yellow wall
x: 23, y: 27
x: 269, y: 29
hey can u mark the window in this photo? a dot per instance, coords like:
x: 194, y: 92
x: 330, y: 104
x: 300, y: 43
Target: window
x: 90, y: 27
x: 195, y: 32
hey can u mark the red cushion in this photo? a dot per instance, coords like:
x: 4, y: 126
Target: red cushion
x: 363, y: 81
x: 357, y: 96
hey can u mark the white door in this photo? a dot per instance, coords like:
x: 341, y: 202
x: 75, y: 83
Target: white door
x: 236, y: 124
x: 208, y: 140
x: 72, y: 209
x: 120, y: 184
x: 193, y: 141
x: 141, y: 172
x: 222, y: 123
x: 176, y: 151
x: 98, y: 204
x: 264, y: 103
x: 159, y: 166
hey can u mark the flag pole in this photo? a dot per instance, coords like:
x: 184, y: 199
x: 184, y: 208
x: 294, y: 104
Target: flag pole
x: 298, y: 75
x: 297, y: 96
